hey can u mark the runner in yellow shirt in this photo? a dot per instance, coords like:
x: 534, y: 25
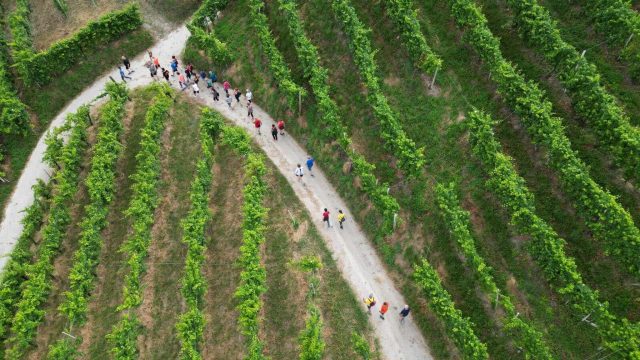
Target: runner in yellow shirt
x: 340, y: 218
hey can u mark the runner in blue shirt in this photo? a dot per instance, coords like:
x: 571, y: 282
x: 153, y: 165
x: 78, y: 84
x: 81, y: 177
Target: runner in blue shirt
x: 310, y: 162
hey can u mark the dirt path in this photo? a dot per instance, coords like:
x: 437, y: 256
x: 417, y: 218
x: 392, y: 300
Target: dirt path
x: 356, y: 258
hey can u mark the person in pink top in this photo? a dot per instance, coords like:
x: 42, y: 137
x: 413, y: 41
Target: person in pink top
x: 226, y: 87
x: 182, y: 81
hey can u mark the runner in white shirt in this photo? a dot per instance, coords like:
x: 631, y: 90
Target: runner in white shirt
x: 299, y: 172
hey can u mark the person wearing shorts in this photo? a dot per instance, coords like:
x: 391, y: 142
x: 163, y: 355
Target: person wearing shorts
x: 299, y: 172
x: 325, y: 217
x: 274, y: 132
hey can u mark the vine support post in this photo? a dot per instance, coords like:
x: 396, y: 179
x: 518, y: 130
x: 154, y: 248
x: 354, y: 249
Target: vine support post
x: 299, y: 103
x: 433, y: 81
x: 628, y: 40
x: 395, y: 220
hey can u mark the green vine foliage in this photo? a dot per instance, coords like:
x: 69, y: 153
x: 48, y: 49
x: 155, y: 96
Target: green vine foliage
x: 310, y: 339
x: 406, y: 21
x: 144, y: 201
x: 16, y: 269
x: 546, y: 247
x: 603, y: 214
x: 620, y: 24
x: 459, y: 328
x: 591, y: 99
x: 410, y: 158
x: 62, y: 6
x: 361, y: 346
x: 279, y: 68
x: 190, y: 326
x: 457, y: 220
x: 101, y: 188
x: 35, y: 289
x: 208, y: 41
x: 253, y: 275
x: 42, y: 67
x: 335, y: 128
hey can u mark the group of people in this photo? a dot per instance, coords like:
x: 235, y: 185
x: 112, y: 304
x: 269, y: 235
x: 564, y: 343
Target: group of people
x: 370, y: 302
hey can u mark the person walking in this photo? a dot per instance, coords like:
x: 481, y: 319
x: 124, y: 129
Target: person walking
x: 228, y: 100
x: 281, y: 126
x: 341, y: 218
x: 383, y: 309
x: 237, y: 94
x: 123, y: 76
x: 216, y: 94
x: 153, y: 70
x: 150, y: 55
x: 274, y: 132
x: 165, y: 74
x: 213, y: 76
x: 226, y: 87
x: 256, y: 123
x: 174, y: 65
x: 370, y: 302
x: 310, y: 162
x: 299, y: 173
x: 203, y: 74
x: 127, y: 64
x: 325, y: 215
x: 181, y: 81
x: 156, y: 62
x: 196, y: 89
x: 250, y: 111
x: 249, y: 96
x: 209, y: 83
x: 187, y: 72
x: 196, y: 78
x: 404, y: 313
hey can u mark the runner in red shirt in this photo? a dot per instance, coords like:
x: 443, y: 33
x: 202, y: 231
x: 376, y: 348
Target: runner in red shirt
x: 281, y: 127
x: 257, y: 123
x: 325, y: 217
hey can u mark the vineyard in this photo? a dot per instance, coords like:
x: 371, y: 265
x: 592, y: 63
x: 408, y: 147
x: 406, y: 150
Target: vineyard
x: 486, y: 154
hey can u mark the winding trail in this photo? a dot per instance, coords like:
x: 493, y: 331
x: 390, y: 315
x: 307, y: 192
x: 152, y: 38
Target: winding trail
x: 354, y: 254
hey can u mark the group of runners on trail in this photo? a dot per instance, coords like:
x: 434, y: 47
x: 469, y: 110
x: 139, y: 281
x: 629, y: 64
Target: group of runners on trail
x: 370, y: 302
x: 210, y: 78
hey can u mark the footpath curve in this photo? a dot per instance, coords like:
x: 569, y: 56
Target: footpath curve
x: 354, y: 254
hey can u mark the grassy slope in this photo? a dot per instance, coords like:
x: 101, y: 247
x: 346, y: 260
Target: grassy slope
x: 436, y: 122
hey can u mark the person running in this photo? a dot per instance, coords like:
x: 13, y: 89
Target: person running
x: 216, y: 94
x: 340, y: 218
x: 226, y: 87
x: 256, y: 123
x: 281, y: 126
x: 209, y: 83
x: 187, y: 72
x: 370, y: 302
x: 325, y: 215
x: 196, y: 89
x: 150, y: 55
x: 203, y: 74
x: 181, y: 81
x: 153, y: 70
x: 174, y: 65
x: 213, y: 76
x: 249, y: 96
x: 383, y: 309
x: 165, y: 74
x: 310, y: 162
x: 126, y: 63
x: 404, y: 313
x: 237, y: 94
x: 228, y: 100
x: 190, y: 68
x: 299, y: 173
x: 274, y: 132
x: 122, y: 75
x: 196, y: 78
x: 156, y: 62
x: 250, y: 111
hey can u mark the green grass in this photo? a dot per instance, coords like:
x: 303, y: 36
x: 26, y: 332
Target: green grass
x: 47, y: 101
x: 176, y: 11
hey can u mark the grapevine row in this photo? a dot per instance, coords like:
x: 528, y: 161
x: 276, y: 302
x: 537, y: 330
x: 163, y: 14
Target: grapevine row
x: 35, y: 289
x: 546, y: 247
x: 318, y: 79
x: 253, y: 275
x: 405, y: 18
x: 411, y: 159
x: 608, y: 220
x: 101, y: 188
x: 208, y: 41
x: 581, y: 78
x: 459, y: 328
x: 310, y: 339
x: 619, y: 23
x: 42, y: 67
x: 15, y: 271
x: 144, y: 201
x: 457, y: 220
x: 190, y: 326
x: 279, y: 68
